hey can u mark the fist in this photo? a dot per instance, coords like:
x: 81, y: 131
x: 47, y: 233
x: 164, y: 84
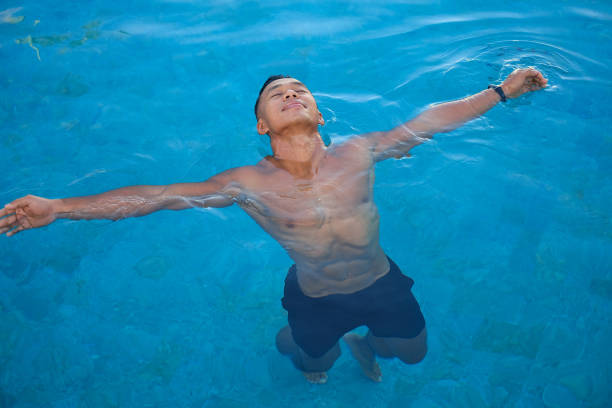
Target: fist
x: 523, y: 80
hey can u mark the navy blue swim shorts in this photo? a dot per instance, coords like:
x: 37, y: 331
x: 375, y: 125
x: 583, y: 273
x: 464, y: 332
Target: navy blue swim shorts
x: 387, y: 307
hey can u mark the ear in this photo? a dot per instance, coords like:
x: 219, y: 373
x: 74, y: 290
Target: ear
x: 262, y: 129
x: 321, y: 120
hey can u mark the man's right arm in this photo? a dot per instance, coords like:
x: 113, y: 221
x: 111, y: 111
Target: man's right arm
x: 134, y: 201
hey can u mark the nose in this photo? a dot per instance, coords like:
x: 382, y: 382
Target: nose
x: 289, y: 93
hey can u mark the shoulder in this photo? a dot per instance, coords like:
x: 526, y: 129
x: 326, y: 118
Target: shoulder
x: 355, y: 144
x: 237, y: 174
x: 249, y: 176
x: 357, y: 148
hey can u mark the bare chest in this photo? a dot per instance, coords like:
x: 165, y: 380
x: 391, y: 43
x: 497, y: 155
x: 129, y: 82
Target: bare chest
x: 336, y: 191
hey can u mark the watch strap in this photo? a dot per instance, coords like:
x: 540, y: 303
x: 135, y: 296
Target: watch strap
x: 499, y: 91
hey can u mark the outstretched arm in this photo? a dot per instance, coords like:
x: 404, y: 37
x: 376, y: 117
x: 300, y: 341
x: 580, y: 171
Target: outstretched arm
x: 450, y: 115
x: 134, y: 201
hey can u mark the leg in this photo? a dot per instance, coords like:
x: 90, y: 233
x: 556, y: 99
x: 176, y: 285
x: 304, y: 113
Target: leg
x: 399, y: 319
x: 364, y: 354
x: 314, y: 369
x: 410, y: 351
x: 366, y: 348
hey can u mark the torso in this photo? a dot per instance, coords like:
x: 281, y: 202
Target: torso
x: 328, y: 223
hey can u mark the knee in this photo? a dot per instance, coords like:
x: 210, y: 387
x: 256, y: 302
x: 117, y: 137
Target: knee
x: 412, y: 351
x: 323, y: 362
x: 414, y: 356
x: 284, y: 341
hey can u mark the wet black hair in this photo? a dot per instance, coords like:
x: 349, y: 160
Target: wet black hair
x: 272, y: 78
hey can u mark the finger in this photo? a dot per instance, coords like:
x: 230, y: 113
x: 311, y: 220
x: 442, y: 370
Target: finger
x: 18, y: 202
x: 533, y: 85
x: 4, y: 230
x: 529, y: 72
x: 8, y: 222
x: 15, y: 231
x: 5, y: 211
x: 537, y: 87
x: 540, y: 79
x: 24, y: 221
x: 524, y: 72
x: 12, y: 206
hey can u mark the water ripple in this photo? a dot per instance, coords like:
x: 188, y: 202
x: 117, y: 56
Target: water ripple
x: 284, y: 25
x: 487, y: 48
x: 414, y: 24
x: 598, y: 15
x: 349, y: 97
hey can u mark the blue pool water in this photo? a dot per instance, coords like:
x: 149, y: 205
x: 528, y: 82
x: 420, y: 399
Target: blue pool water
x: 504, y: 224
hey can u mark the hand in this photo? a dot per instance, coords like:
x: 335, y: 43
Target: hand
x: 523, y: 80
x: 25, y: 213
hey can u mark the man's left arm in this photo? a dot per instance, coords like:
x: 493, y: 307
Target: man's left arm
x: 450, y: 115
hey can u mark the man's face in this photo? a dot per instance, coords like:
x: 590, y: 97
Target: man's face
x: 286, y: 103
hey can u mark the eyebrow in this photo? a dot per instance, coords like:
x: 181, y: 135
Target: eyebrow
x: 273, y: 87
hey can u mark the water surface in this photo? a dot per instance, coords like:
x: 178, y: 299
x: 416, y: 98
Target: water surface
x: 504, y: 224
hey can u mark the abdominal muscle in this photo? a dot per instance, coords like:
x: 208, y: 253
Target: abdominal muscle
x: 340, y: 255
x: 344, y: 272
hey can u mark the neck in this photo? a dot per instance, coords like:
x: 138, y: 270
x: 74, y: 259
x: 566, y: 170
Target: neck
x: 299, y: 154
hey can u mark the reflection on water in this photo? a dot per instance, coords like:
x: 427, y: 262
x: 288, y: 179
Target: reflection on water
x: 504, y: 224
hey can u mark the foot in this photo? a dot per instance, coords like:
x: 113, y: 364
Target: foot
x: 316, y: 378
x: 364, y: 355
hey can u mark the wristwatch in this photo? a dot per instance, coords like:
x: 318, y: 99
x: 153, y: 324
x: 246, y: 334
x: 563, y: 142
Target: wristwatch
x: 499, y: 91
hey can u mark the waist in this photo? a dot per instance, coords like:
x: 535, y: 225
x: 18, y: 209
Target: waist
x: 341, y: 277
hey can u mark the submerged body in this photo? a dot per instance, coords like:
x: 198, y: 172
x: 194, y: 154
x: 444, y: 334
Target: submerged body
x: 317, y: 202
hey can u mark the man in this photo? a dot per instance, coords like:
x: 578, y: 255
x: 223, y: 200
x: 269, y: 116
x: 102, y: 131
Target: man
x: 317, y: 202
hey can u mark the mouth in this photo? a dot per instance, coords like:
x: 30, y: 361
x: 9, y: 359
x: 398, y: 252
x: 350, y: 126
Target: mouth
x: 293, y: 105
